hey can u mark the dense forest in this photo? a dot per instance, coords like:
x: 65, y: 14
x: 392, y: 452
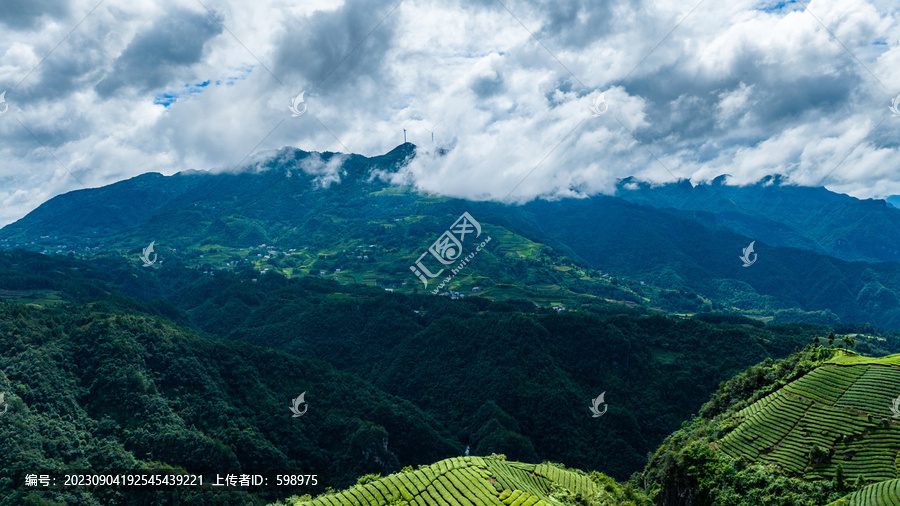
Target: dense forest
x: 91, y: 389
x: 108, y: 368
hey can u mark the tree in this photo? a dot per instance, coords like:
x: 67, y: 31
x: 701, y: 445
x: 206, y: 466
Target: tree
x: 817, y: 454
x: 839, y: 482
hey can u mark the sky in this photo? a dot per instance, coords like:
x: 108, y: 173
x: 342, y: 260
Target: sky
x: 525, y: 98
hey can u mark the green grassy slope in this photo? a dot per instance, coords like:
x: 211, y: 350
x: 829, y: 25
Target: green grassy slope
x: 466, y: 481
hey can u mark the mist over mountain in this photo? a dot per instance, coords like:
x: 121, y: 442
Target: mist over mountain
x: 155, y: 202
x: 823, y: 257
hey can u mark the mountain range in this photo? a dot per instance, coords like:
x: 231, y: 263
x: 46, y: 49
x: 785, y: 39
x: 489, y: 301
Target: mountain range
x: 682, y: 305
x: 822, y: 257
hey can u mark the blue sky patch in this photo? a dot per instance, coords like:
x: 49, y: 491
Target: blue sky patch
x: 779, y: 6
x: 168, y: 98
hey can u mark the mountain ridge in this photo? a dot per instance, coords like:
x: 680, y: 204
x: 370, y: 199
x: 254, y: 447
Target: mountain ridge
x: 616, y: 248
x: 783, y: 214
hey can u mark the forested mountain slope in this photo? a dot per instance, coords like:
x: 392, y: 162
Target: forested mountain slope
x: 91, y: 389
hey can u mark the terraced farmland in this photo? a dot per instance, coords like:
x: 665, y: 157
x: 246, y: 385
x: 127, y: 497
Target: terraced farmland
x: 885, y: 493
x: 840, y: 411
x: 463, y: 481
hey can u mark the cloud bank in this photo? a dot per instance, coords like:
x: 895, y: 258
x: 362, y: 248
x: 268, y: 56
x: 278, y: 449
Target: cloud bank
x: 504, y: 87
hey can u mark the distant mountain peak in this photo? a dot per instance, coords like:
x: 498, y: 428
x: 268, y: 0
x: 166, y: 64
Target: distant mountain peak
x: 720, y: 180
x: 343, y: 165
x: 632, y: 183
x: 405, y: 149
x: 774, y: 180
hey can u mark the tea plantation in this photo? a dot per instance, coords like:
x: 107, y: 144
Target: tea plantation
x: 467, y: 481
x: 837, y: 416
x: 885, y: 493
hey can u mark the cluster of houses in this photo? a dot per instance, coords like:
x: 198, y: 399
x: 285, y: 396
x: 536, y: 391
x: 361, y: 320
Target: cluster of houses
x: 454, y: 295
x: 363, y: 257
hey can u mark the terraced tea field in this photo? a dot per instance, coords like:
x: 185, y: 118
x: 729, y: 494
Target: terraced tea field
x: 463, y: 481
x: 842, y: 407
x: 885, y: 493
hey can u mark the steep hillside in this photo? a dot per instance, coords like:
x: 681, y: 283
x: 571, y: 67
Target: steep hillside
x: 838, y: 415
x: 476, y: 481
x: 506, y: 378
x: 87, y: 389
x: 883, y: 493
x: 805, y: 430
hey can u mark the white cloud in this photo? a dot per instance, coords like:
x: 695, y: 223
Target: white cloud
x: 327, y: 172
x: 735, y: 88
